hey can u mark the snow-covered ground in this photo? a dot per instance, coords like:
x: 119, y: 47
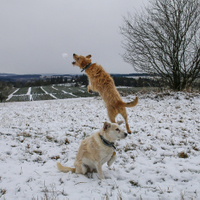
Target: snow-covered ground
x: 159, y: 160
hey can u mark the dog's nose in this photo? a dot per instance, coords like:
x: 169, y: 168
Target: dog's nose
x: 74, y: 54
x: 125, y: 134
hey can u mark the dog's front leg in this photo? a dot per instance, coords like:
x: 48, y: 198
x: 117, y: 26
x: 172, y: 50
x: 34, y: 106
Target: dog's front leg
x: 99, y: 170
x: 112, y: 159
x: 89, y: 88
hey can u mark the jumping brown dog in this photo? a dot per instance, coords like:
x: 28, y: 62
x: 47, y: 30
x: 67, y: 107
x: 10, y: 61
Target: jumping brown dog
x: 101, y: 82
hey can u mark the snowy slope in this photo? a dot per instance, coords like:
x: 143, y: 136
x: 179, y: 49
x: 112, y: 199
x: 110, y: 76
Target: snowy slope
x: 159, y: 160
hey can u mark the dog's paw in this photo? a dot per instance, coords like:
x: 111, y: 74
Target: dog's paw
x: 90, y: 91
x: 101, y: 177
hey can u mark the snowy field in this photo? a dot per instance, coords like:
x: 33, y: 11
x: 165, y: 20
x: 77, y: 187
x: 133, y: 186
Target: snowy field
x: 159, y: 160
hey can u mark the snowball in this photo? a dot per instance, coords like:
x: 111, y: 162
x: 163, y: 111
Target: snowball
x: 64, y: 55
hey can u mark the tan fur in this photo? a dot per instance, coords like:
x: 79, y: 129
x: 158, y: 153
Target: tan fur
x: 101, y: 82
x: 92, y: 153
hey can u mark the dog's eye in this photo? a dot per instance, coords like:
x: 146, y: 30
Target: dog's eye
x: 77, y: 58
x: 117, y: 129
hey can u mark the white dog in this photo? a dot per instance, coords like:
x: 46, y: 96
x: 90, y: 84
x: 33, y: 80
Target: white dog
x: 96, y: 150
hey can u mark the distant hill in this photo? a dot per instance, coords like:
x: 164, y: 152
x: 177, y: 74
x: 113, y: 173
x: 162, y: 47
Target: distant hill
x: 6, y: 74
x: 16, y: 77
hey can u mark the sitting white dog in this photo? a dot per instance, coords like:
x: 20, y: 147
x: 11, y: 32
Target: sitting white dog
x: 96, y: 150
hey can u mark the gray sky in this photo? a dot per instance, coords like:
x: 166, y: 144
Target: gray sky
x: 35, y: 33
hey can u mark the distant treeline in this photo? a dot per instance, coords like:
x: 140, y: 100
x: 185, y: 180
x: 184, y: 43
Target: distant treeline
x: 125, y: 81
x: 5, y: 89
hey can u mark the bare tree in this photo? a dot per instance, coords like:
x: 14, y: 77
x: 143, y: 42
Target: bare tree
x: 165, y: 40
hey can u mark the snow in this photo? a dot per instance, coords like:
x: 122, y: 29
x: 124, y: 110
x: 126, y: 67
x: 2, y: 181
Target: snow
x: 35, y: 135
x: 70, y: 93
x: 48, y: 93
x: 11, y: 95
x: 29, y: 94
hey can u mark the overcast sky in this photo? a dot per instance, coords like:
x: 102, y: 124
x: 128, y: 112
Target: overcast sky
x: 35, y: 33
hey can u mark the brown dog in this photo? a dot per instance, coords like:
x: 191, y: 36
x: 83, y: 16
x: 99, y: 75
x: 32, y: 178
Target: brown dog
x: 101, y: 82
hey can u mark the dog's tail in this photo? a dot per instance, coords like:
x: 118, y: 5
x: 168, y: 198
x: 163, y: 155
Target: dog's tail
x: 65, y: 169
x: 130, y: 104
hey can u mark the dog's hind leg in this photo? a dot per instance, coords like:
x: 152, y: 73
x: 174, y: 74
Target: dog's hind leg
x: 112, y: 114
x: 84, y: 168
x: 81, y: 169
x: 124, y: 115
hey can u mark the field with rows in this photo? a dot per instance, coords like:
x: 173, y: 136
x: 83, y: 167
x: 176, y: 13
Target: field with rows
x: 61, y: 92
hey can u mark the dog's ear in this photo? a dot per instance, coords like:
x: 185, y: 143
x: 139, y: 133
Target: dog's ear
x: 106, y: 126
x: 120, y: 122
x: 88, y: 56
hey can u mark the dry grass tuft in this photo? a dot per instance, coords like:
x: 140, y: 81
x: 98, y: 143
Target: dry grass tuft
x: 183, y: 155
